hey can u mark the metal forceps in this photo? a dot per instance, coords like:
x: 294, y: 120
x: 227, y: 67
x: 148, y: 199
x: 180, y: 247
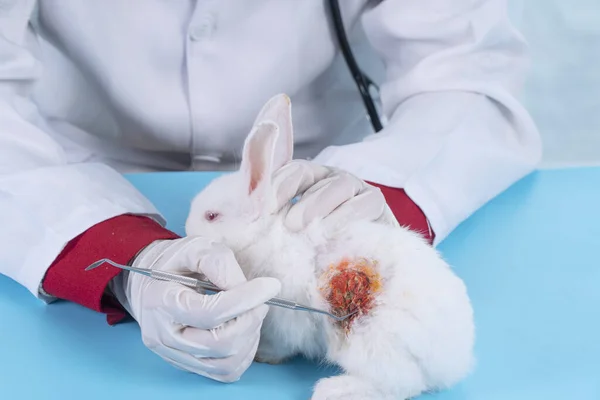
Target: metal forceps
x: 208, y: 286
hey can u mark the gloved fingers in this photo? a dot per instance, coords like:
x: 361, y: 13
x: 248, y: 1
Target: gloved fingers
x: 225, y: 370
x: 201, y: 366
x: 221, y: 268
x: 322, y: 199
x: 368, y: 205
x: 243, y: 360
x: 222, y: 341
x: 388, y: 217
x: 187, y: 368
x: 215, y: 260
x: 188, y: 307
x: 176, y: 336
x: 295, y: 177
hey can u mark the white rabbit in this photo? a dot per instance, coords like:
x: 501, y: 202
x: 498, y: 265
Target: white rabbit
x: 416, y: 334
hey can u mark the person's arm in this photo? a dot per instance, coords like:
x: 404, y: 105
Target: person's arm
x: 406, y: 211
x: 48, y: 206
x: 58, y: 218
x: 457, y: 136
x: 120, y: 239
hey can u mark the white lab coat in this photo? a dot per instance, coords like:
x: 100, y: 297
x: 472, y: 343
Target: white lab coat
x: 91, y: 89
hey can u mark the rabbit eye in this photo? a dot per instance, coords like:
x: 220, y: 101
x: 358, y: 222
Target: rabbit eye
x: 211, y: 216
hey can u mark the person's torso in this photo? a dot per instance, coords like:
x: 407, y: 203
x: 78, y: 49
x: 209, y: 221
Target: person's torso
x: 177, y: 84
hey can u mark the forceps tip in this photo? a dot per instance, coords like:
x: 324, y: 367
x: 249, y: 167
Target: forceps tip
x: 95, y: 264
x: 338, y: 318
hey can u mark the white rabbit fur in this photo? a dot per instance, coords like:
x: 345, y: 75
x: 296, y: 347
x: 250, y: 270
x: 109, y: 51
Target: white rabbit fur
x: 419, y: 335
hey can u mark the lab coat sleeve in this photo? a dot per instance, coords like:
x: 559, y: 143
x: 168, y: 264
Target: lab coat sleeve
x: 45, y: 202
x: 457, y: 135
x: 120, y: 239
x: 407, y: 212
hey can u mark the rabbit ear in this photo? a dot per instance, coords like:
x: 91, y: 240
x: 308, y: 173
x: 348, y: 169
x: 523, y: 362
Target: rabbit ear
x: 279, y: 110
x: 257, y: 160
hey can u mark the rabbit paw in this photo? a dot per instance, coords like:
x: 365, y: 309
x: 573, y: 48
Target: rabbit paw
x: 268, y: 360
x: 346, y: 387
x: 269, y: 354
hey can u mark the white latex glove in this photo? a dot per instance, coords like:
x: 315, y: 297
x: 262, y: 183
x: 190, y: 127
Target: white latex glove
x: 213, y: 335
x: 329, y: 194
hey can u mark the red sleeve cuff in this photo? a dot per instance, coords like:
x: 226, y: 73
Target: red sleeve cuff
x: 119, y: 239
x: 406, y: 211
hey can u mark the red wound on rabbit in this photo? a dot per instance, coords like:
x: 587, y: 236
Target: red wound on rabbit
x: 351, y: 287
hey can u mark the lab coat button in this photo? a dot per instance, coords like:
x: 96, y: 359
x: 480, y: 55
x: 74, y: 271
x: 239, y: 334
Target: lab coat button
x: 207, y: 157
x: 203, y: 30
x: 204, y: 162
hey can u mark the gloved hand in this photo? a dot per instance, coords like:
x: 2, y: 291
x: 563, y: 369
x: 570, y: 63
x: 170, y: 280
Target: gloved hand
x: 329, y: 194
x: 214, y: 335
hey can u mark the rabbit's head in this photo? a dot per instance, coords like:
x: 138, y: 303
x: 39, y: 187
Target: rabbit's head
x: 236, y: 207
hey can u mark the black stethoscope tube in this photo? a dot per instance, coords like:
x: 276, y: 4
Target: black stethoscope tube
x: 362, y: 81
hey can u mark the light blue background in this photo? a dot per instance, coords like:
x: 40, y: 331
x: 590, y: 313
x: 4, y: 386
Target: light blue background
x: 562, y: 87
x: 529, y: 258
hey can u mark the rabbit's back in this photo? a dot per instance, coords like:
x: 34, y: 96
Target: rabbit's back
x: 420, y: 307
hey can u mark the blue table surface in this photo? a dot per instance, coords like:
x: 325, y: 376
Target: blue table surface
x: 529, y: 258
